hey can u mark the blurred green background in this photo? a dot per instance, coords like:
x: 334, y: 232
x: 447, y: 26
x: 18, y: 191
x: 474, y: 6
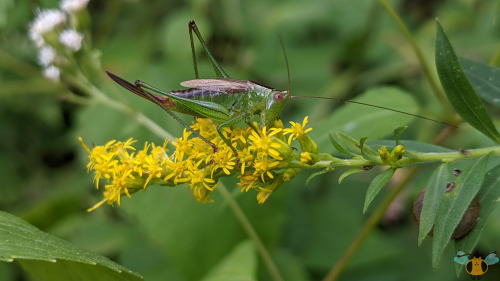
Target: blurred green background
x: 335, y: 48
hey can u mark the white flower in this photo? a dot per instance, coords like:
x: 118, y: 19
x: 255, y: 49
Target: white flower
x: 52, y: 73
x: 71, y: 39
x: 73, y: 6
x: 46, y: 56
x: 45, y: 21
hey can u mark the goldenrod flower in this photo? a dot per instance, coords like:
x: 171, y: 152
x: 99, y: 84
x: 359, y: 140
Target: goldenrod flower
x: 297, y: 130
x: 264, y: 144
x: 260, y: 150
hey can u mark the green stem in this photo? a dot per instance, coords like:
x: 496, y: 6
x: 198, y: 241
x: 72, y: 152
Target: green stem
x: 81, y: 82
x: 334, y: 273
x: 247, y: 226
x: 9, y: 62
x: 415, y: 158
x: 425, y: 67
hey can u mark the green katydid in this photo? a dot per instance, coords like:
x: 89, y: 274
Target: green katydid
x: 228, y: 101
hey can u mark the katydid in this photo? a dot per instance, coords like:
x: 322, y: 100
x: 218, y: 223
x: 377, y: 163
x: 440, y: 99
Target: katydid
x: 228, y: 101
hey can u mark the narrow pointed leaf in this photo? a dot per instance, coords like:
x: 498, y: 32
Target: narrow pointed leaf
x: 488, y: 200
x: 459, y: 91
x: 485, y: 79
x: 376, y: 186
x: 313, y: 175
x: 47, y: 257
x: 398, y: 132
x: 454, y: 205
x: 434, y: 194
x: 338, y: 146
x: 350, y: 172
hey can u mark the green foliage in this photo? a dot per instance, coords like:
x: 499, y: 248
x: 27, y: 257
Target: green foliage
x: 455, y: 204
x: 47, y: 257
x: 434, y: 194
x: 341, y: 49
x: 460, y: 92
x: 376, y: 186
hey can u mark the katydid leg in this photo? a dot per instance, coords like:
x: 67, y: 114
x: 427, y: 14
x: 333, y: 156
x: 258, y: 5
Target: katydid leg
x: 217, y: 68
x: 139, y: 85
x: 230, y: 122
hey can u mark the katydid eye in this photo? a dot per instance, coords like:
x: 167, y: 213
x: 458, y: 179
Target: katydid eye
x: 278, y: 97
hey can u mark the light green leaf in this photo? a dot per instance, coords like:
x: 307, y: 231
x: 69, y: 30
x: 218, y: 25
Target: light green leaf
x: 359, y: 121
x: 239, y: 265
x: 376, y: 186
x: 454, y: 205
x: 313, y: 175
x: 47, y: 257
x: 485, y: 79
x: 350, y: 172
x: 488, y: 200
x: 434, y: 193
x: 459, y: 91
x: 398, y: 132
x: 338, y: 146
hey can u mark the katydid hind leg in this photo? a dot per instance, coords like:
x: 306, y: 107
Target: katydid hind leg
x: 217, y: 68
x: 137, y: 89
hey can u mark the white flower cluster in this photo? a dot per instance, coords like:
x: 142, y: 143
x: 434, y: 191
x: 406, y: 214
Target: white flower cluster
x: 46, y: 31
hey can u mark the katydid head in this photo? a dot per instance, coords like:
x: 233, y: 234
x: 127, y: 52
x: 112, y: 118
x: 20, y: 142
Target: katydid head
x: 274, y: 105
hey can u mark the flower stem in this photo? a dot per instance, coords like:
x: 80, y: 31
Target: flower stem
x: 425, y: 67
x: 247, y: 226
x: 82, y: 83
x: 334, y: 273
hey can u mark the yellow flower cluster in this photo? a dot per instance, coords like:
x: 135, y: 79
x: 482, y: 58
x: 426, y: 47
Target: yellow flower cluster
x: 260, y: 151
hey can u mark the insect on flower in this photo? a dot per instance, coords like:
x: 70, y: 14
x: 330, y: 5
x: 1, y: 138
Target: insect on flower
x: 227, y: 101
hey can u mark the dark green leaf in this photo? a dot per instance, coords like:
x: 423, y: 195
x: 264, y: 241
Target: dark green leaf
x: 454, y: 205
x: 47, y: 257
x: 240, y: 265
x: 462, y: 96
x: 376, y: 186
x: 398, y: 132
x: 434, y: 193
x: 488, y: 196
x: 485, y: 79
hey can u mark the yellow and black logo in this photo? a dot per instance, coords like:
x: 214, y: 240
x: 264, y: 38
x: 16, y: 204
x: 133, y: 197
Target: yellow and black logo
x: 476, y: 267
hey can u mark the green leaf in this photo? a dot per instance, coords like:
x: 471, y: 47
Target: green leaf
x: 376, y: 186
x: 349, y: 143
x: 350, y: 172
x: 313, y: 175
x: 454, y: 205
x: 367, y: 152
x: 460, y: 93
x: 488, y: 196
x: 434, y: 194
x: 359, y: 121
x: 47, y: 257
x: 485, y: 79
x: 339, y: 147
x: 239, y: 265
x: 398, y: 132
